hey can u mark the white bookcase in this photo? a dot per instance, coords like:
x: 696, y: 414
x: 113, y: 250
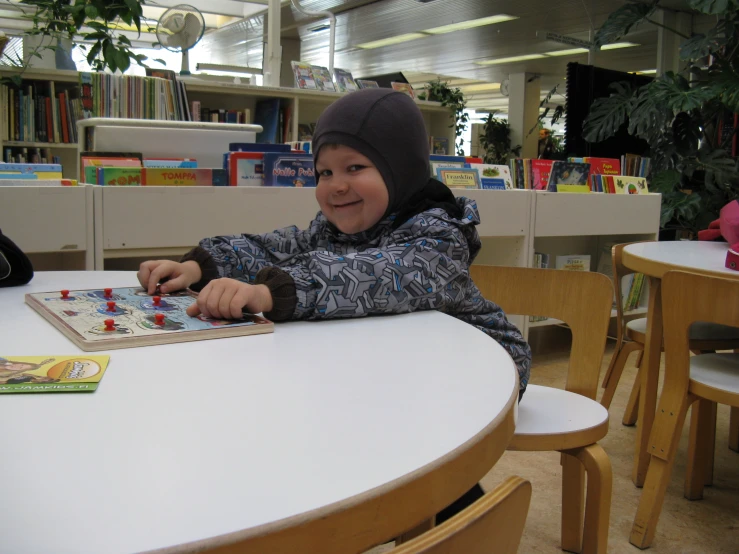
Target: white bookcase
x: 54, y: 225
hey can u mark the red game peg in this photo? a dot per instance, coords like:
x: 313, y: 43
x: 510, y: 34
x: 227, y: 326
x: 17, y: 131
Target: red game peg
x: 110, y: 325
x: 65, y: 294
x: 108, y: 293
x: 157, y: 300
x: 159, y: 319
x: 111, y: 306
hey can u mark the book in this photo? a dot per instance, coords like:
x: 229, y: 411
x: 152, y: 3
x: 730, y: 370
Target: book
x: 257, y: 147
x: 459, y: 177
x: 288, y: 170
x: 568, y: 173
x: 439, y: 145
x: 138, y: 176
x: 323, y: 78
x: 540, y: 171
x: 405, y: 88
x: 267, y: 114
x: 82, y: 373
x: 364, y: 83
x: 246, y: 169
x: 573, y: 263
x: 344, y: 80
x: 171, y: 163
x: 305, y: 131
x: 629, y: 185
x: 303, y: 75
x: 497, y: 177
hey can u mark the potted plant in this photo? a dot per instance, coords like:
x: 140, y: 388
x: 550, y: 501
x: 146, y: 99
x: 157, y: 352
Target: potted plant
x: 440, y: 91
x: 684, y: 116
x: 96, y: 22
x: 495, y: 141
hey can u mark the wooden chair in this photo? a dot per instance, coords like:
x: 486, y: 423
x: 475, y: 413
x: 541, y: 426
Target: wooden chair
x: 631, y: 337
x: 569, y: 421
x: 494, y: 523
x: 706, y: 379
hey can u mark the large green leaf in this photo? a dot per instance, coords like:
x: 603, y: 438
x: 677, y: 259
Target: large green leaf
x: 607, y: 115
x: 686, y: 131
x: 726, y: 86
x: 720, y: 169
x: 701, y: 45
x: 713, y: 7
x: 676, y: 93
x: 620, y: 22
x: 648, y: 118
x: 665, y: 181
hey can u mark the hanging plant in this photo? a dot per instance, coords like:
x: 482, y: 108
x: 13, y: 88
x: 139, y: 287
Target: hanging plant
x: 440, y: 91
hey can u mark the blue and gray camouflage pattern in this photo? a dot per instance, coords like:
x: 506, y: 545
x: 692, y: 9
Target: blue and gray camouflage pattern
x: 423, y: 264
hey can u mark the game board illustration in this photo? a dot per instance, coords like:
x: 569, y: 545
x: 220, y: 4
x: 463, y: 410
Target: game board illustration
x: 102, y: 319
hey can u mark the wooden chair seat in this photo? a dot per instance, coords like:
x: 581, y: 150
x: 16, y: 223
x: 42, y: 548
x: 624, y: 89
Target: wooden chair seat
x: 556, y: 419
x: 714, y: 375
x: 636, y: 330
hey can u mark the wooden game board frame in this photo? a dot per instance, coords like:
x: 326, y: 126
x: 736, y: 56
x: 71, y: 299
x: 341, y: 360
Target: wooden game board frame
x: 118, y: 342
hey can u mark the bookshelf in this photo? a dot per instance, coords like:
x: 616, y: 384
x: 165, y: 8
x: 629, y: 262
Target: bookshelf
x: 305, y: 106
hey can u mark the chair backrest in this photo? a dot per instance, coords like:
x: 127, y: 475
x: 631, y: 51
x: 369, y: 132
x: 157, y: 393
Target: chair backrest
x: 494, y: 523
x: 581, y: 299
x: 687, y: 298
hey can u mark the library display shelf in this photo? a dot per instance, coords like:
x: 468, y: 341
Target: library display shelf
x: 303, y: 107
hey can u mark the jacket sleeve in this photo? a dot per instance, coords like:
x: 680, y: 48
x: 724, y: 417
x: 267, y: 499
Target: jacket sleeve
x: 242, y: 256
x: 410, y: 274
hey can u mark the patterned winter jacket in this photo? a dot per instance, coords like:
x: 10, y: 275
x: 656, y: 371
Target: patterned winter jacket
x: 423, y: 264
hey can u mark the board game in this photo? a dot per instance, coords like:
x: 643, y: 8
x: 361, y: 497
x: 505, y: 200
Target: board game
x: 104, y: 319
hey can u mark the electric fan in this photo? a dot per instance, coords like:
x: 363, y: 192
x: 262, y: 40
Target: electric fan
x: 179, y: 29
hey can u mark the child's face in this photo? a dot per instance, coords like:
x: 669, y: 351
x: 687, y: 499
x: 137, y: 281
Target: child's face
x: 351, y: 192
x: 17, y: 366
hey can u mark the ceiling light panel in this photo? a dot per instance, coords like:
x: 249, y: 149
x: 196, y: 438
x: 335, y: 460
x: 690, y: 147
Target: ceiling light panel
x: 492, y: 20
x: 617, y: 45
x: 569, y: 52
x: 391, y: 40
x: 479, y: 87
x: 512, y: 59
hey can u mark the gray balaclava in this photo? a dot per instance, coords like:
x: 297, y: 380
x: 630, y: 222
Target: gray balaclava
x: 388, y: 128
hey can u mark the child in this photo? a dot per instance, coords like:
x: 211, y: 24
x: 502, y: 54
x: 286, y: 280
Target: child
x: 388, y: 238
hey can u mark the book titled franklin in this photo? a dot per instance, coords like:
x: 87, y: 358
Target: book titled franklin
x: 459, y: 177
x: 81, y: 373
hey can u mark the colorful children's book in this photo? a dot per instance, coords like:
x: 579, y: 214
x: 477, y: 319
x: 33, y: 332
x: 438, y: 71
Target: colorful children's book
x: 496, y: 177
x: 540, y: 171
x: 246, y: 169
x: 303, y: 75
x: 170, y: 163
x: 439, y: 145
x: 573, y: 263
x: 30, y: 168
x: 568, y: 173
x: 288, y: 170
x: 629, y: 185
x: 459, y: 177
x: 364, y: 83
x: 323, y: 78
x: 405, y: 88
x: 51, y: 373
x: 344, y: 80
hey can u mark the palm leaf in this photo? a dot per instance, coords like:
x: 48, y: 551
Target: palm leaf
x: 675, y: 92
x: 686, y: 131
x: 712, y: 6
x: 721, y: 169
x: 726, y: 86
x: 648, y: 119
x: 701, y: 45
x: 665, y: 181
x: 620, y: 22
x: 607, y: 115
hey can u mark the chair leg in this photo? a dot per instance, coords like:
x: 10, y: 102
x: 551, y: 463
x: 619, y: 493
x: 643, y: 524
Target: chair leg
x: 632, y: 406
x: 734, y: 429
x: 613, y: 376
x: 640, y: 357
x: 598, y: 503
x: 700, y: 446
x: 711, y: 430
x: 573, y: 503
x: 657, y: 480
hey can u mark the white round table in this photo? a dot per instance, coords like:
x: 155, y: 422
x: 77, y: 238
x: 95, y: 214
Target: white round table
x: 656, y: 258
x: 215, y: 442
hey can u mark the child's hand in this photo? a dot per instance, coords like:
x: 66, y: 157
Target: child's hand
x: 228, y: 298
x: 179, y: 275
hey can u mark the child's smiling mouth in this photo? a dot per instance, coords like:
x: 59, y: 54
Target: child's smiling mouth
x: 346, y: 205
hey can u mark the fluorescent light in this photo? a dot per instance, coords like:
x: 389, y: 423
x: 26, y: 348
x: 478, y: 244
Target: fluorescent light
x: 570, y: 52
x: 391, y: 40
x: 512, y: 59
x: 480, y: 87
x: 647, y: 72
x: 617, y: 45
x: 470, y: 24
